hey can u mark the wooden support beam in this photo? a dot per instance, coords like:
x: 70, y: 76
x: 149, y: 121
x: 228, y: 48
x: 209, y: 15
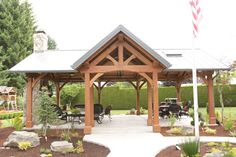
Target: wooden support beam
x: 156, y: 125
x: 138, y: 97
x: 92, y: 105
x: 139, y: 48
x: 63, y: 84
x: 112, y: 60
x: 131, y: 68
x: 149, y: 80
x: 126, y: 62
x: 141, y: 85
x: 104, y: 84
x: 88, y: 125
x: 57, y: 84
x: 99, y: 92
x: 120, y: 53
x: 135, y: 87
x: 35, y: 81
x: 178, y: 90
x: 203, y: 77
x: 104, y: 54
x: 95, y: 78
x: 29, y: 122
x: 149, y: 94
x: 137, y: 54
x: 212, y: 117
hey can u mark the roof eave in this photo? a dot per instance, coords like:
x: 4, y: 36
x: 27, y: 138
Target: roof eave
x: 42, y: 71
x: 200, y: 69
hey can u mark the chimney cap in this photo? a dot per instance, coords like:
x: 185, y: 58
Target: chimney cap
x: 41, y: 31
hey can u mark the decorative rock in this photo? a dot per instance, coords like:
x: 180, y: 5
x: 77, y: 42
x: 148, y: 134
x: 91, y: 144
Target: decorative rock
x: 43, y: 155
x: 218, y: 154
x: 61, y: 146
x: 20, y: 136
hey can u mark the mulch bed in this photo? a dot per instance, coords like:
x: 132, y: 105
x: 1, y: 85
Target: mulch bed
x: 91, y: 150
x: 219, y: 131
x: 172, y: 151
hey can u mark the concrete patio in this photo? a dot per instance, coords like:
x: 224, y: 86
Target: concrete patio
x: 128, y: 136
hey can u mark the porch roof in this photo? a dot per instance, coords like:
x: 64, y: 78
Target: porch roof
x: 59, y: 61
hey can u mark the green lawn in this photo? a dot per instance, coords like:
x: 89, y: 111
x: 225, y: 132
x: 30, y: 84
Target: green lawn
x: 227, y: 112
x: 5, y: 123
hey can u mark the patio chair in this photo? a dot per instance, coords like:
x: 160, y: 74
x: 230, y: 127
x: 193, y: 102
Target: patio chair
x: 61, y: 115
x: 108, y: 111
x: 175, y: 110
x: 186, y: 108
x: 98, y: 113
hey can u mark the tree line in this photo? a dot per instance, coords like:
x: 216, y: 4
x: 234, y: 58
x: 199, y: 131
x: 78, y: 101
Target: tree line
x: 17, y: 26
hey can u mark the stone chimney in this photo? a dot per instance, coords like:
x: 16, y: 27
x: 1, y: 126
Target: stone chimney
x: 40, y: 41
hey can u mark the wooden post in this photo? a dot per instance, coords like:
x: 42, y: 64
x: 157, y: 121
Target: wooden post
x: 29, y: 123
x: 99, y: 92
x: 87, y: 127
x: 156, y: 126
x: 149, y: 94
x: 58, y: 101
x: 212, y: 117
x: 92, y: 105
x: 178, y: 91
x: 138, y: 98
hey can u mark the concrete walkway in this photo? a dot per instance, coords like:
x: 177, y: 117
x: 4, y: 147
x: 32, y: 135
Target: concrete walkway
x: 128, y: 135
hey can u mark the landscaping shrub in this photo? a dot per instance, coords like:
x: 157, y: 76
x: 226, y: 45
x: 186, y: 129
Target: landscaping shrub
x: 66, y: 135
x: 24, y: 145
x: 190, y: 148
x: 125, y: 98
x: 175, y: 130
x: 79, y: 147
x: 209, y: 131
x: 10, y: 115
x: 172, y: 120
x: 228, y: 124
x: 16, y: 123
x: 232, y: 133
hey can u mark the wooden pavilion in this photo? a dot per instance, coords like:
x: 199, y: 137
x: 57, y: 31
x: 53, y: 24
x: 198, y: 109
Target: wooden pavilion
x: 120, y: 56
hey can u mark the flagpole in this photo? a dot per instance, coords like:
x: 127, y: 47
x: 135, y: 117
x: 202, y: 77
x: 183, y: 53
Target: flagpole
x: 196, y: 12
x: 195, y: 95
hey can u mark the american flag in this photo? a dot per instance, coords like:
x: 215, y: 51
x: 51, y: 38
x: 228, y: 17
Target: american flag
x: 197, y: 16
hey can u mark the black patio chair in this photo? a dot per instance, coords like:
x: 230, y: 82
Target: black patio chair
x: 98, y: 113
x: 61, y: 115
x: 108, y: 111
x: 175, y: 110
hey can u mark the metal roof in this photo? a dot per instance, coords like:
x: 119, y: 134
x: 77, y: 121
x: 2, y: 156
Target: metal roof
x: 59, y: 61
x: 184, y: 59
x: 48, y: 61
x: 122, y: 29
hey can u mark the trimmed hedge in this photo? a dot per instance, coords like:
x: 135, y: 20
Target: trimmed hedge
x: 10, y: 115
x: 125, y: 98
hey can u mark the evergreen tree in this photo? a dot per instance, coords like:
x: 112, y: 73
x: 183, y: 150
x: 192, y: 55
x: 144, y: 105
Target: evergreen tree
x: 17, y: 26
x: 52, y: 45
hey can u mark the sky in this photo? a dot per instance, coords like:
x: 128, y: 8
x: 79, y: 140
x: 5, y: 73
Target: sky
x: 161, y: 24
